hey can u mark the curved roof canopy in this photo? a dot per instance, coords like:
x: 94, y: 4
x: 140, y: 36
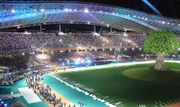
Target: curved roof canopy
x: 24, y: 14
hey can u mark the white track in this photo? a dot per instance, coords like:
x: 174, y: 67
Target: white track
x: 29, y: 95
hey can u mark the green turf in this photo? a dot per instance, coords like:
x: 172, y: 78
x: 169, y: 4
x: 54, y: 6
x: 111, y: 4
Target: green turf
x: 150, y: 88
x: 146, y: 74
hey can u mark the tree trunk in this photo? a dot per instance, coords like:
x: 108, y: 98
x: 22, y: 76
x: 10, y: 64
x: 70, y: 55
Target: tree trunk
x: 160, y: 65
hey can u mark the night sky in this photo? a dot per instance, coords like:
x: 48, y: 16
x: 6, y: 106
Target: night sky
x: 169, y: 8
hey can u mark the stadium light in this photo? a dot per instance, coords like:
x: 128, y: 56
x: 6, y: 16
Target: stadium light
x: 88, y: 23
x: 163, y: 22
x: 86, y: 11
x: 66, y: 10
x: 77, y: 62
x: 42, y: 10
x: 125, y: 29
x: 125, y: 34
x: 37, y: 49
x: 88, y: 60
x: 18, y: 27
x: 42, y: 56
x: 13, y: 10
x: 70, y: 10
x: 61, y: 33
x: 96, y: 34
x: 27, y: 33
x: 5, y: 105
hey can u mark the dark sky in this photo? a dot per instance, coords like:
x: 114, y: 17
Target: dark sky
x: 169, y: 8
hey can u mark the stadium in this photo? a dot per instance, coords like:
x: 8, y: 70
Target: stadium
x: 89, y: 53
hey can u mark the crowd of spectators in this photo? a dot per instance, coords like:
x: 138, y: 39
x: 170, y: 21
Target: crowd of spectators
x: 90, y: 58
x: 12, y: 69
x: 11, y: 77
x: 16, y: 41
x: 14, y: 62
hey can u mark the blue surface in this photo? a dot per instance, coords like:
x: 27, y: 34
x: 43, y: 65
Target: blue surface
x: 71, y: 94
x: 14, y: 89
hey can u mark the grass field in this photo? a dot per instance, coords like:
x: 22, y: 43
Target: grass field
x: 131, y: 86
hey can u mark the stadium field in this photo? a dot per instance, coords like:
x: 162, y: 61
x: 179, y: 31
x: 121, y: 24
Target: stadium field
x: 130, y: 86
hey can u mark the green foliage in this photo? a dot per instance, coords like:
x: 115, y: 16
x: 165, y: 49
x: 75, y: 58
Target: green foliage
x: 161, y: 41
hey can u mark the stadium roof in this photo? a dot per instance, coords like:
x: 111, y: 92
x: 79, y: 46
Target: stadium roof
x: 24, y: 14
x: 168, y: 8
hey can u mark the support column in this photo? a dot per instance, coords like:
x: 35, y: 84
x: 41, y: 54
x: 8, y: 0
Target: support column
x: 60, y: 30
x: 40, y: 27
x: 111, y: 30
x: 94, y: 29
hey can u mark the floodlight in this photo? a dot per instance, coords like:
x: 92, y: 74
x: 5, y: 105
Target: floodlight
x: 61, y: 33
x: 42, y: 10
x: 42, y: 56
x: 13, y: 10
x: 86, y: 11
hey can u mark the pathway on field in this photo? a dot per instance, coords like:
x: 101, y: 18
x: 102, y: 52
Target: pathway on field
x: 71, y: 94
